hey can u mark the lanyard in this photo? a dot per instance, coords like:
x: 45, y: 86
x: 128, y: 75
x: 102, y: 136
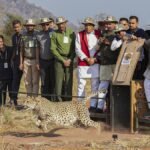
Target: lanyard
x: 5, y: 57
x: 18, y: 39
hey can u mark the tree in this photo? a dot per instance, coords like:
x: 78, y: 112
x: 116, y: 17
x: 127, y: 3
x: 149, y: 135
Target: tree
x: 8, y: 28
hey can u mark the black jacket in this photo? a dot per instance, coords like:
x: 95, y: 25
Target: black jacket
x: 5, y: 64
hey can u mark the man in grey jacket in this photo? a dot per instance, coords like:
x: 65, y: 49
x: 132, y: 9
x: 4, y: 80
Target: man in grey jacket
x: 46, y: 59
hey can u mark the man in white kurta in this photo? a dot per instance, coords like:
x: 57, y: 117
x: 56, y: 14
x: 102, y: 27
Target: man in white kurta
x: 86, y: 42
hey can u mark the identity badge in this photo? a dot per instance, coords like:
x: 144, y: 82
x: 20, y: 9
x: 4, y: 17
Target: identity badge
x: 31, y: 43
x: 66, y: 39
x: 5, y: 65
x: 17, y: 52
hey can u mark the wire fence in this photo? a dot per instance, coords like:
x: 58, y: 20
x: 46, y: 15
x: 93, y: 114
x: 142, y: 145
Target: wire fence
x: 53, y: 97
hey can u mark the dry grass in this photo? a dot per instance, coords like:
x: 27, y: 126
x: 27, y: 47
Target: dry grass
x: 124, y: 144
x: 18, y: 120
x: 12, y: 120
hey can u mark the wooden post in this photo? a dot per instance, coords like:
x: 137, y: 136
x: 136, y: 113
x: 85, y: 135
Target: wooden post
x: 137, y: 95
x: 133, y: 103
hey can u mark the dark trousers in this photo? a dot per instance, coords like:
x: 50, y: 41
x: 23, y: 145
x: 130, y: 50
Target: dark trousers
x: 141, y: 67
x: 17, y: 75
x: 4, y: 84
x: 64, y: 79
x: 47, y: 78
x: 139, y: 71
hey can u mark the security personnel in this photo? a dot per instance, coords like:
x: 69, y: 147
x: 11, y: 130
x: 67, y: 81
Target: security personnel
x: 46, y: 59
x: 136, y: 33
x: 17, y: 73
x: 63, y: 49
x: 52, y: 25
x: 107, y: 59
x: 5, y: 70
x: 29, y: 58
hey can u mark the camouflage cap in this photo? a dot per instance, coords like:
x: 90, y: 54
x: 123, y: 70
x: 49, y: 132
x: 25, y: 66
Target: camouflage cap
x: 60, y: 20
x: 89, y: 20
x: 29, y: 22
x: 119, y: 27
x: 110, y: 19
x: 51, y: 19
x: 101, y: 22
x: 45, y: 20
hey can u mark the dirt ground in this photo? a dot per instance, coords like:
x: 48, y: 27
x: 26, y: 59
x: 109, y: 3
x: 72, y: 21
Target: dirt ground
x: 18, y: 132
x: 60, y: 138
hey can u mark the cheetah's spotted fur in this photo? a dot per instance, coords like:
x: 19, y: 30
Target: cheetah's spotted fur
x: 62, y: 113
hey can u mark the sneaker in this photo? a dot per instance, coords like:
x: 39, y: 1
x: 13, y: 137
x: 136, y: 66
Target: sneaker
x: 15, y: 103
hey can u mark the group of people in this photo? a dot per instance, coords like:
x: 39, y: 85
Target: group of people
x: 49, y: 54
x: 45, y: 54
x: 98, y: 50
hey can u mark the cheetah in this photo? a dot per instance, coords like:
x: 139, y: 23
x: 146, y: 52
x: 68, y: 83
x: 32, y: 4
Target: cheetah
x: 65, y: 113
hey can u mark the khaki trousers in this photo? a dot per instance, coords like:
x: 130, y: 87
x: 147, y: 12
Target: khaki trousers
x: 31, y: 79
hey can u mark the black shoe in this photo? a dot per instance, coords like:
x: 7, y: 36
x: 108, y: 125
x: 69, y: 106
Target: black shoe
x: 15, y: 103
x: 98, y: 110
x: 92, y: 109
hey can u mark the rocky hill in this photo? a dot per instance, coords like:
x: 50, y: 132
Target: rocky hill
x: 24, y: 9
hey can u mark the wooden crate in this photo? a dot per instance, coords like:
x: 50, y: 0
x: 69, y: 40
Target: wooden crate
x: 137, y: 95
x: 126, y: 63
x: 120, y: 108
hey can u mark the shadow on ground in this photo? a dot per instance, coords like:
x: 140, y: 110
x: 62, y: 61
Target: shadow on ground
x: 51, y: 133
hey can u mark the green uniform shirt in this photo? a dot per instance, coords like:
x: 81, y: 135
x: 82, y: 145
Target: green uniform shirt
x: 63, y: 44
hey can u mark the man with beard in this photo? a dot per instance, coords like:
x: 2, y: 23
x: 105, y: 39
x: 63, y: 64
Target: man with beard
x: 29, y: 59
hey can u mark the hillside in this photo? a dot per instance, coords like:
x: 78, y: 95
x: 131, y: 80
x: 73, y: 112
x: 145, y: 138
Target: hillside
x: 24, y: 9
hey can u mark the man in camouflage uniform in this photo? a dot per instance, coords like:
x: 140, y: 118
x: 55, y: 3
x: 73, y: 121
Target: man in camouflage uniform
x: 107, y: 59
x: 29, y: 58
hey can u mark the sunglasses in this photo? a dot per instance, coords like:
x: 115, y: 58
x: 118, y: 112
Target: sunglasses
x: 46, y: 24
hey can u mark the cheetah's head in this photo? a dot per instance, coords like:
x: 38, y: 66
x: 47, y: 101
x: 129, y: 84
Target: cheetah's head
x: 31, y: 103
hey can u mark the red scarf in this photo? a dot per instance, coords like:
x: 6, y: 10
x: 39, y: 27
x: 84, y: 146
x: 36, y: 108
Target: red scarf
x: 84, y: 46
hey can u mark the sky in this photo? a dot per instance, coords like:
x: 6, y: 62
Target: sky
x: 76, y: 10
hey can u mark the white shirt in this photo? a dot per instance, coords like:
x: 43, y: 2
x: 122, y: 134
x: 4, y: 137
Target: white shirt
x: 116, y: 44
x: 87, y: 71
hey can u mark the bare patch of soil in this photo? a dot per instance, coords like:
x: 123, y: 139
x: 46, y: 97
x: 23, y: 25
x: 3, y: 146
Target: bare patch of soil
x: 18, y: 132
x: 73, y: 139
